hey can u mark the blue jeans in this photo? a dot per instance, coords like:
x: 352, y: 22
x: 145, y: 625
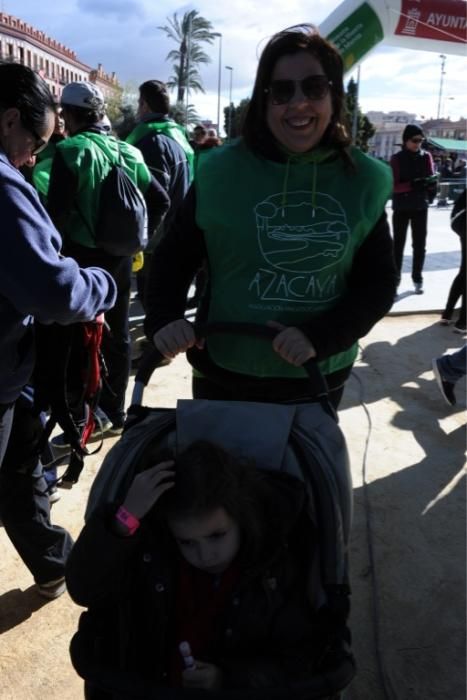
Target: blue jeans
x: 453, y: 367
x: 6, y: 421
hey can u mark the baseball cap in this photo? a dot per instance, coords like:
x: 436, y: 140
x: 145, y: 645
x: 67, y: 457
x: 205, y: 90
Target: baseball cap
x: 83, y: 94
x: 410, y: 131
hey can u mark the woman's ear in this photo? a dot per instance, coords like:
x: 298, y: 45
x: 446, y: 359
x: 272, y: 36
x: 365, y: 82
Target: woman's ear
x: 8, y: 119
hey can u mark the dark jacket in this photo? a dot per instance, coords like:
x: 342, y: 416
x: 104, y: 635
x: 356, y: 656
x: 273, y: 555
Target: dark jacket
x: 270, y: 636
x: 168, y: 163
x: 64, y: 191
x: 411, y: 191
x: 36, y: 281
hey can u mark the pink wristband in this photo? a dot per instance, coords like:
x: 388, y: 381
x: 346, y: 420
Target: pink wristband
x: 127, y: 519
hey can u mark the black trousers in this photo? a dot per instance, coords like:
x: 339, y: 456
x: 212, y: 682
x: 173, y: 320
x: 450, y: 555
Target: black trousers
x: 418, y: 223
x: 458, y: 289
x: 24, y: 503
x: 116, y: 344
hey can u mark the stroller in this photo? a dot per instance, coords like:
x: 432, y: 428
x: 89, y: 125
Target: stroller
x: 306, y: 443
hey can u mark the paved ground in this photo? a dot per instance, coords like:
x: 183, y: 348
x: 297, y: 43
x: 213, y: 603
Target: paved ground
x: 411, y: 504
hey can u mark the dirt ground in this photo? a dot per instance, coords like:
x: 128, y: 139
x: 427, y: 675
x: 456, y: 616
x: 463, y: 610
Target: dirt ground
x: 413, y: 508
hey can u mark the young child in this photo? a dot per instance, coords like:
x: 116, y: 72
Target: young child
x: 207, y: 550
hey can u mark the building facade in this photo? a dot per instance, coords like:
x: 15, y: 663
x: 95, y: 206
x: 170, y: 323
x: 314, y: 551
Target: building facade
x: 387, y: 139
x: 57, y: 64
x: 389, y: 127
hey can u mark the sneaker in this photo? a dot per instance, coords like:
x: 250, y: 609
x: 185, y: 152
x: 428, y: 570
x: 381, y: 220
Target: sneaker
x: 52, y: 589
x: 54, y: 495
x: 418, y: 287
x: 444, y: 321
x: 460, y: 328
x: 446, y: 388
x: 60, y: 442
x: 115, y: 429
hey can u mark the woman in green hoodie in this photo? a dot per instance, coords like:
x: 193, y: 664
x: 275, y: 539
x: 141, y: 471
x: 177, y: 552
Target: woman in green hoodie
x: 291, y: 220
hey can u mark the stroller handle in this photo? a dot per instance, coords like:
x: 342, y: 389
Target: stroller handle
x: 153, y: 358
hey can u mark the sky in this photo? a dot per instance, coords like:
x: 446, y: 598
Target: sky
x: 124, y: 36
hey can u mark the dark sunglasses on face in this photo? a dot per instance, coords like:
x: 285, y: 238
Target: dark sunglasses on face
x: 40, y: 143
x: 417, y: 139
x: 314, y: 87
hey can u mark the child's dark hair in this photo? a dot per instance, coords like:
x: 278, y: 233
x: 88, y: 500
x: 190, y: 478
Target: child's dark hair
x: 207, y: 477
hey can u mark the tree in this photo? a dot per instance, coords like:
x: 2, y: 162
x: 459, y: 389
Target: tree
x: 365, y: 129
x: 181, y: 115
x: 189, y: 33
x: 238, y: 114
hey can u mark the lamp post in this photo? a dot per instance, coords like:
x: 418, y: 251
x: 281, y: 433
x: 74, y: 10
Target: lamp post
x: 355, y: 111
x: 443, y: 73
x: 188, y: 52
x: 219, y: 83
x: 230, y: 102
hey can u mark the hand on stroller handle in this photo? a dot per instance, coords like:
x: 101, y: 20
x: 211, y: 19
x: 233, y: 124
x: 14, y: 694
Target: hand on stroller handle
x: 290, y: 343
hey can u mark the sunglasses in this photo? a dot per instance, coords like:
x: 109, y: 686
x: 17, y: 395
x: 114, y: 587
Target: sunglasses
x: 40, y: 143
x: 314, y: 87
x: 417, y: 139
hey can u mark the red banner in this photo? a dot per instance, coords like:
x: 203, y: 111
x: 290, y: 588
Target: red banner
x: 442, y: 20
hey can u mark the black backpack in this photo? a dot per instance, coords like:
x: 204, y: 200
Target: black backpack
x: 122, y: 221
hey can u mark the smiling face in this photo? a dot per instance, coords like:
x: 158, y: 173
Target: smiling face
x: 298, y: 125
x: 208, y: 542
x: 20, y: 140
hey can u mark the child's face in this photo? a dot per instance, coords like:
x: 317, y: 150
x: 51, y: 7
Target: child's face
x: 208, y: 542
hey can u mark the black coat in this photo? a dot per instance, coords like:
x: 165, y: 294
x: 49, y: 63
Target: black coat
x: 270, y: 637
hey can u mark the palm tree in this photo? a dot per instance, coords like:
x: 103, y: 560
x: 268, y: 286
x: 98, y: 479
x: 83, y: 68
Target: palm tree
x: 189, y: 33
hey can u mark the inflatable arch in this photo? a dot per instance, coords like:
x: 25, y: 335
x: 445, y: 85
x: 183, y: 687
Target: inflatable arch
x: 357, y: 26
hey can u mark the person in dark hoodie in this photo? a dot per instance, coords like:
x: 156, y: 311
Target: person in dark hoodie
x: 168, y: 155
x: 414, y: 188
x: 79, y: 167
x: 37, y: 283
x: 291, y: 220
x: 206, y: 550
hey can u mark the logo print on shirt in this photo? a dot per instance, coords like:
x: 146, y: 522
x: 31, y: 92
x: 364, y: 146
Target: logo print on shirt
x: 299, y: 237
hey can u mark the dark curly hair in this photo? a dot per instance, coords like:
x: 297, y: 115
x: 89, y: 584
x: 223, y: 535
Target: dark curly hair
x: 302, y: 37
x: 208, y: 477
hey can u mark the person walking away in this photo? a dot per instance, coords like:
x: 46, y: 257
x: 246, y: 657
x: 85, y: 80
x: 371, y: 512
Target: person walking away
x: 79, y: 168
x: 459, y: 226
x: 414, y: 189
x: 168, y: 155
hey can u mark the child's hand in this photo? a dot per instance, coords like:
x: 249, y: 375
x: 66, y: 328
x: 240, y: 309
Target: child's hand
x: 148, y: 487
x: 204, y: 675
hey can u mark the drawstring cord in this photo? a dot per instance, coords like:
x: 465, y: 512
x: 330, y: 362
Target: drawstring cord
x: 284, y: 187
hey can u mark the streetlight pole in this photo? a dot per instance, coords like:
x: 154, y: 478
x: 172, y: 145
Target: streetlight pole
x: 229, y: 68
x: 443, y: 72
x: 355, y: 111
x: 218, y: 34
x: 188, y: 71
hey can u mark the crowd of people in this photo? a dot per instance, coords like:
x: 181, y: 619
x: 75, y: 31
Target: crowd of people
x: 288, y: 223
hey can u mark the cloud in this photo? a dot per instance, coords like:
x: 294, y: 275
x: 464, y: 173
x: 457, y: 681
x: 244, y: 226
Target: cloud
x: 122, y: 9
